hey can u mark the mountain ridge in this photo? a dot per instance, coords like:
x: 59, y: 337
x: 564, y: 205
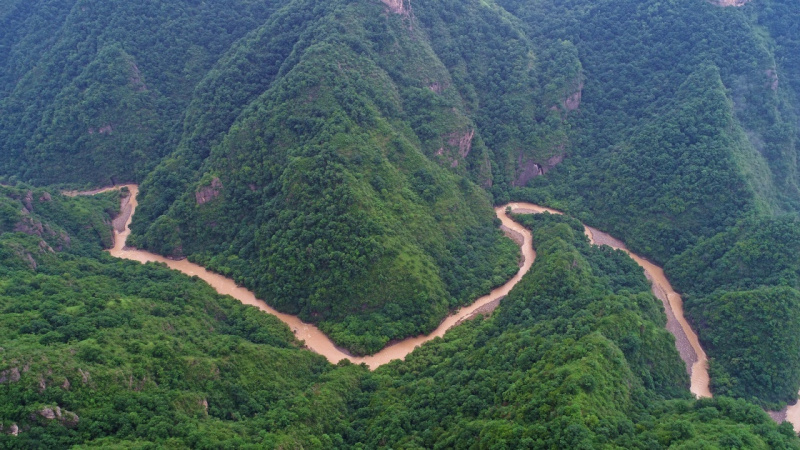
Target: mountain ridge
x: 342, y: 160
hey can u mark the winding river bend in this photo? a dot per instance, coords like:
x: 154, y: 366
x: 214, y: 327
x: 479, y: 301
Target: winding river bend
x: 686, y: 340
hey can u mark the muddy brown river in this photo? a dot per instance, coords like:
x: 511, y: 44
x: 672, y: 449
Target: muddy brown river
x: 686, y: 339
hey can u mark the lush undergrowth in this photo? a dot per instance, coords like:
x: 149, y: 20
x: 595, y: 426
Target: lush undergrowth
x: 94, y: 92
x: 345, y: 193
x: 104, y: 352
x: 99, y: 352
x: 341, y: 158
x: 576, y: 357
x: 743, y: 297
x: 685, y: 147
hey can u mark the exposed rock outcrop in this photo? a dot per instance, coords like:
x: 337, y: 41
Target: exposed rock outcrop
x: 398, y: 6
x: 463, y: 141
x: 554, y: 160
x: 67, y: 418
x: 136, y: 78
x: 772, y: 76
x: 438, y: 87
x: 104, y: 129
x: 49, y: 414
x: 24, y: 255
x: 33, y: 227
x: 459, y: 144
x: 44, y: 247
x: 29, y: 226
x: 13, y: 429
x: 11, y: 375
x: 84, y: 376
x: 28, y: 201
x: 724, y: 3
x: 208, y: 193
x: 526, y: 170
x: 572, y: 101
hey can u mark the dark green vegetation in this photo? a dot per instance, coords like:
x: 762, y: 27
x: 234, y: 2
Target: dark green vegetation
x: 686, y: 148
x: 93, y: 92
x: 576, y: 357
x: 342, y: 193
x: 301, y: 158
x: 340, y: 157
x: 683, y: 128
x: 101, y: 352
x: 744, y: 298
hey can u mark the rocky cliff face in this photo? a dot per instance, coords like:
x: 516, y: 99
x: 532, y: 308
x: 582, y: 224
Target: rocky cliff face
x: 526, y: 170
x: 572, y: 101
x: 458, y: 145
x: 398, y: 6
x: 66, y: 418
x: 730, y: 2
x: 208, y: 193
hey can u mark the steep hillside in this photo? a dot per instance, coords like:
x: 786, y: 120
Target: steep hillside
x: 341, y: 157
x: 99, y: 352
x: 93, y: 92
x: 687, y: 136
x: 531, y: 377
x: 658, y: 163
x: 346, y: 192
x: 743, y: 291
x: 102, y: 352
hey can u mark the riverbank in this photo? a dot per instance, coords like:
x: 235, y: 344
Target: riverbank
x: 686, y: 340
x: 315, y: 340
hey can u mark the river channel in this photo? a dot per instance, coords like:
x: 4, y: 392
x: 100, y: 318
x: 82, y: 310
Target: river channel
x: 686, y: 340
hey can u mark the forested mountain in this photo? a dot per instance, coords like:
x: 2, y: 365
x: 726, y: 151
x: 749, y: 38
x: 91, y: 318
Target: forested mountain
x: 687, y: 137
x: 531, y: 377
x: 341, y: 159
x: 99, y: 352
x: 105, y: 352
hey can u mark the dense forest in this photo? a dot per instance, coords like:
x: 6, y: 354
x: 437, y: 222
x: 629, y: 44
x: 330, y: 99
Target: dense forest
x: 686, y: 149
x: 344, y: 184
x: 576, y: 357
x: 750, y: 275
x: 341, y: 159
x: 102, y: 352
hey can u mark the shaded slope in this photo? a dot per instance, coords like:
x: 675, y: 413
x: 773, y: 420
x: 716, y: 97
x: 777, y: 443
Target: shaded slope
x: 641, y: 66
x: 687, y: 145
x: 92, y: 92
x: 742, y: 292
x: 351, y: 176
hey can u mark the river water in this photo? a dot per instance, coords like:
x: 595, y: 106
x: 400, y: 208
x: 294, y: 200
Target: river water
x: 686, y: 340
